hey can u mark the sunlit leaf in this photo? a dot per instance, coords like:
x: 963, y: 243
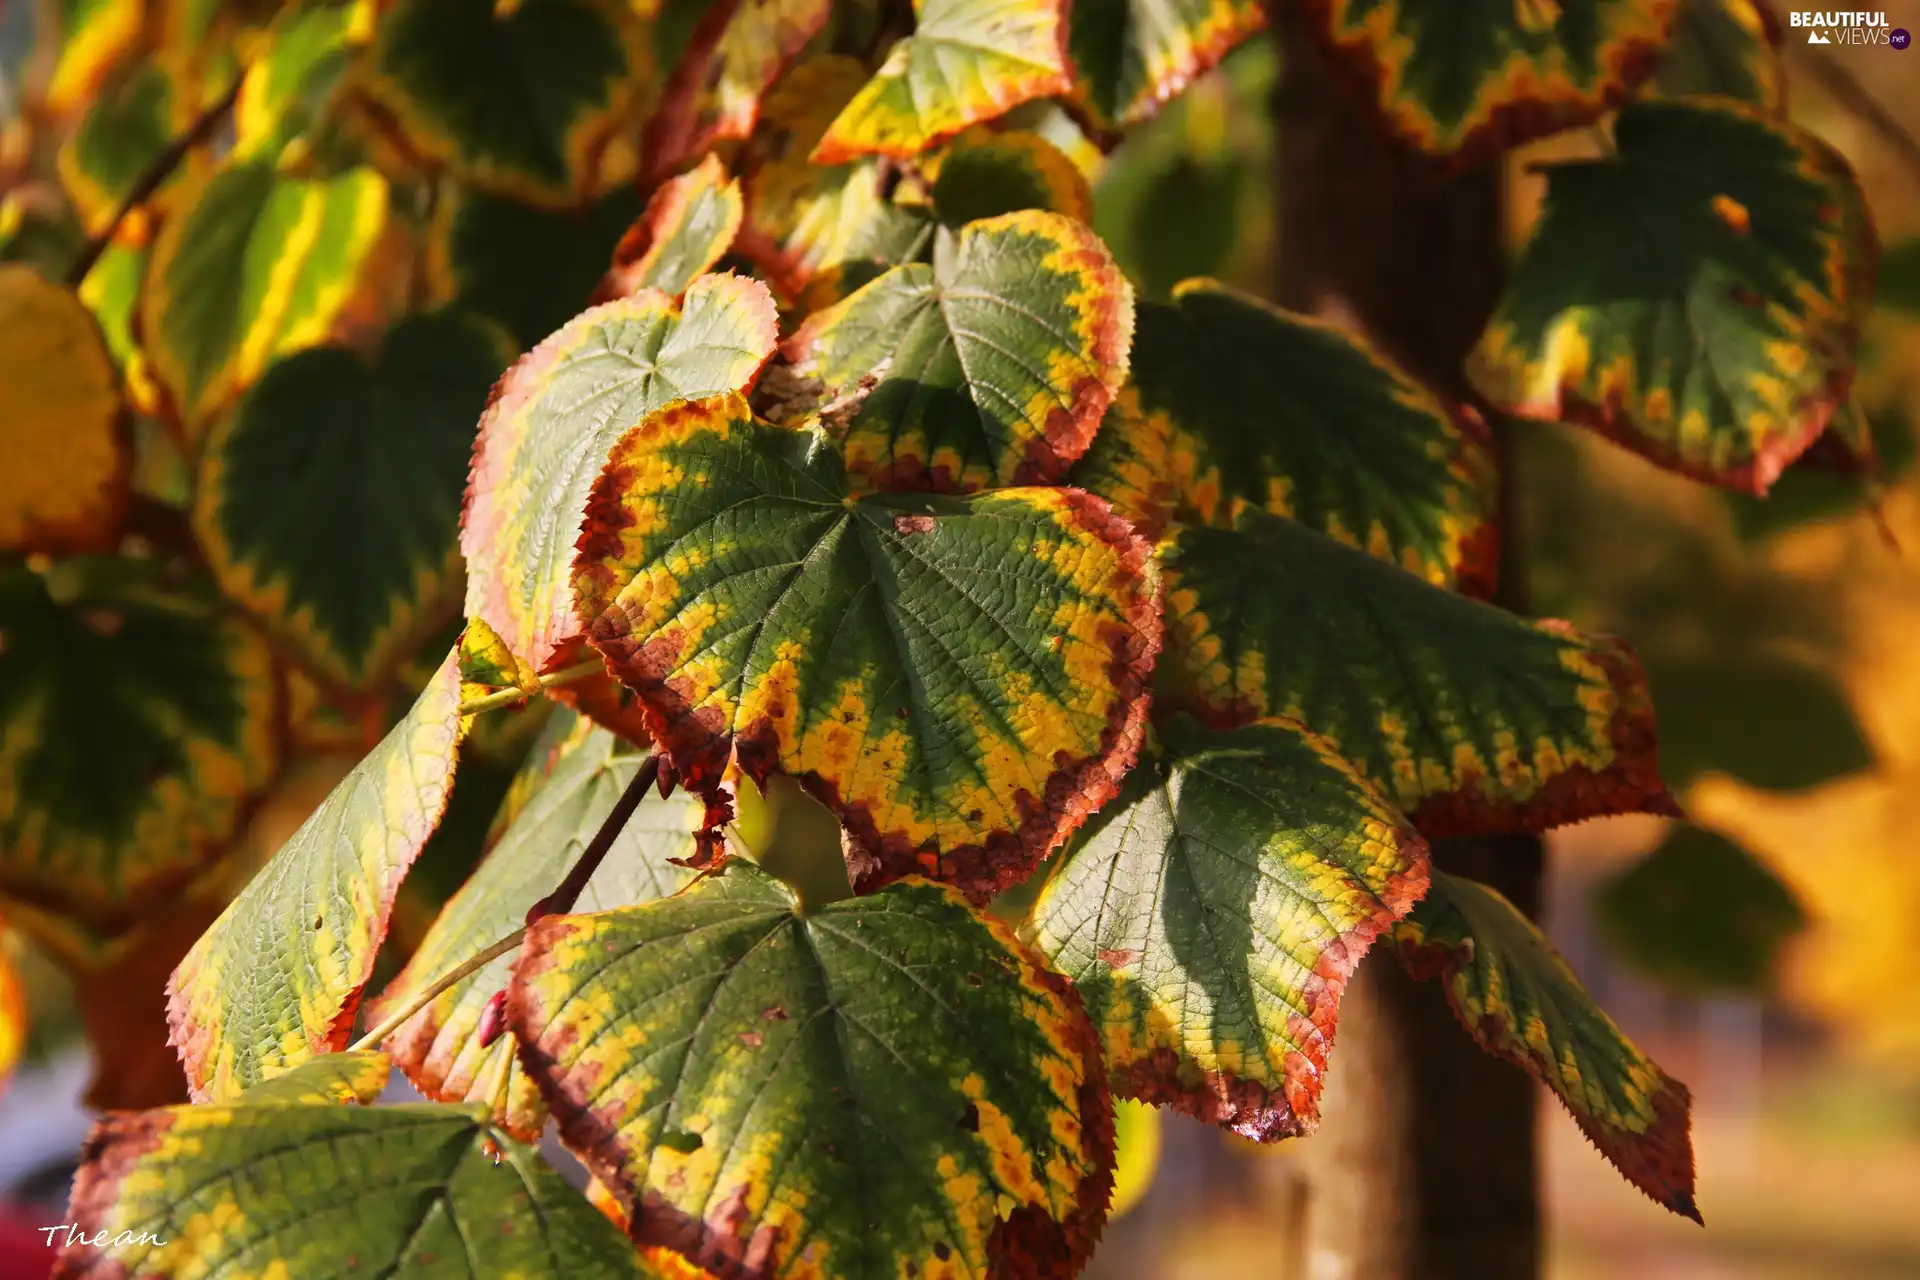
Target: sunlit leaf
x: 488, y: 663
x: 291, y: 82
x: 1806, y: 493
x: 329, y: 501
x: 990, y: 366
x: 1483, y: 76
x: 885, y: 1085
x: 336, y: 1077
x: 1696, y: 298
x: 438, y: 1048
x: 1136, y: 1153
x: 733, y: 56
x: 68, y: 452
x: 96, y: 37
x: 966, y: 61
x: 1519, y: 1000
x: 277, y: 979
x: 531, y: 269
x: 1470, y: 719
x: 112, y: 292
x: 522, y: 100
x: 225, y: 1192
x: 253, y: 265
x: 688, y: 225
x: 13, y: 1018
x: 1131, y: 56
x: 984, y: 173
x: 123, y: 132
x: 961, y: 679
x: 136, y: 723
x: 1723, y: 48
x: 1211, y: 915
x: 1244, y: 405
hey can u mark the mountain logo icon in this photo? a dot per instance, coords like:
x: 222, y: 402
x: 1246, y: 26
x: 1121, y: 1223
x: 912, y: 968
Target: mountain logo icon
x: 1814, y: 37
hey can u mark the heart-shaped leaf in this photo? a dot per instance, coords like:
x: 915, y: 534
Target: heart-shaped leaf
x: 1517, y: 997
x: 1212, y: 915
x: 571, y: 794
x: 69, y: 454
x: 1470, y: 719
x: 139, y: 722
x: 329, y: 501
x: 687, y: 227
x: 277, y: 979
x: 1241, y: 404
x: 962, y: 679
x: 1696, y: 298
x: 253, y: 265
x: 1479, y: 77
x: 887, y: 1085
x: 1131, y: 56
x: 990, y: 366
x: 966, y: 61
x: 985, y: 172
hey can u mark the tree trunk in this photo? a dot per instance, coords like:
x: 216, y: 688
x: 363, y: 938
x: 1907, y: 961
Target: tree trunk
x: 1425, y: 1164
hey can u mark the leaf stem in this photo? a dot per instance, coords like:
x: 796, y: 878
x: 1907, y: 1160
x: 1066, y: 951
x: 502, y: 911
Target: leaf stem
x: 432, y: 991
x: 562, y: 899
x: 150, y: 179
x: 507, y: 697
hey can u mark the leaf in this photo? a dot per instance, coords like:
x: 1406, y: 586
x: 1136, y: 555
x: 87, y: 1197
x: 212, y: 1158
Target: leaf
x: 1470, y: 720
x: 522, y: 100
x: 1768, y: 719
x: 486, y: 663
x: 828, y: 228
x: 1699, y: 914
x: 961, y: 679
x: 96, y: 37
x: 1136, y: 1158
x: 1132, y: 56
x: 983, y: 173
x: 994, y: 363
x: 291, y: 82
x: 1521, y: 1003
x: 68, y: 449
x: 1244, y: 405
x: 1131, y: 464
x: 136, y: 725
x: 438, y: 1047
x: 123, y: 132
x: 1481, y: 78
x: 1211, y: 916
x: 336, y: 1077
x: 687, y: 227
x: 253, y: 265
x: 966, y: 61
x: 111, y: 292
x: 1695, y: 298
x: 329, y: 501
x: 1723, y: 48
x: 528, y: 268
x: 1805, y: 493
x: 884, y: 1085
x: 305, y: 929
x: 1899, y: 291
x: 733, y: 56
x: 320, y: 1190
x: 556, y: 416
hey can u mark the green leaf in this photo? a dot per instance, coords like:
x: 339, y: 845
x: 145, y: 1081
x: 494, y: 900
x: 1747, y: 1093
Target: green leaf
x: 124, y: 131
x: 889, y: 1085
x: 1700, y: 914
x: 1806, y: 493
x: 1212, y: 915
x: 985, y: 172
x: 1517, y: 997
x: 990, y: 366
x: 554, y: 419
x: 529, y: 268
x: 96, y: 38
x: 1471, y: 720
x: 1769, y: 720
x: 337, y: 1077
x: 1131, y: 56
x: 225, y: 1192
x: 966, y: 61
x: 329, y: 501
x: 1696, y: 298
x: 139, y: 723
x: 962, y: 679
x: 1244, y: 405
x: 688, y: 226
x: 572, y: 791
x: 735, y: 54
x: 294, y: 79
x: 112, y: 292
x: 1481, y: 77
x: 277, y: 979
x: 1899, y: 282
x: 522, y: 100
x: 253, y: 265
x: 1723, y: 48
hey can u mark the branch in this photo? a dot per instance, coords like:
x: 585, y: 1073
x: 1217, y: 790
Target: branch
x: 561, y: 900
x: 149, y: 181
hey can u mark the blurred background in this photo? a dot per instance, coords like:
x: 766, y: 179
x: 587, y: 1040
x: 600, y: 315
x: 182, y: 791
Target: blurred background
x: 1767, y: 953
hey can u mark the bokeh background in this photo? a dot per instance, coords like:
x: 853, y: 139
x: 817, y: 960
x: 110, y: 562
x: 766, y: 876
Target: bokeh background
x: 1768, y: 953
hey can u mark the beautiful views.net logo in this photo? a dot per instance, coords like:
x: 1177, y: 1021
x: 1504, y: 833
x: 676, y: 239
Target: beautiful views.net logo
x: 1835, y: 27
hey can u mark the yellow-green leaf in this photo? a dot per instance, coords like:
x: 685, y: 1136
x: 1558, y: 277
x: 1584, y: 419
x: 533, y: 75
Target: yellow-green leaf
x: 337, y: 1077
x: 1131, y: 56
x: 687, y: 227
x: 986, y: 172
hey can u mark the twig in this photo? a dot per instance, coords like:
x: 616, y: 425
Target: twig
x: 432, y: 991
x: 507, y: 697
x: 561, y: 900
x: 149, y: 181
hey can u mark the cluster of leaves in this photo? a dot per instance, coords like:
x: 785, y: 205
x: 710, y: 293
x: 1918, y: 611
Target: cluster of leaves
x: 865, y: 468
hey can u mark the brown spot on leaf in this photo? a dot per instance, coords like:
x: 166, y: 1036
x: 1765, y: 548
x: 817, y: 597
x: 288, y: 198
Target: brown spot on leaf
x: 1117, y: 957
x: 907, y: 526
x: 752, y: 1039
